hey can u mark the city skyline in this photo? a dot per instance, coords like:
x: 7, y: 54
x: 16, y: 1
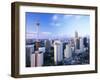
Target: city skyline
x: 56, y: 25
x: 57, y: 39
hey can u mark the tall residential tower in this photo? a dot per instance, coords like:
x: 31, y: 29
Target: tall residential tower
x: 58, y: 51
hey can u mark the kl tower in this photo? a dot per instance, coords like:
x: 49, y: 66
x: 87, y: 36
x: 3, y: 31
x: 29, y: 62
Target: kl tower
x: 37, y: 24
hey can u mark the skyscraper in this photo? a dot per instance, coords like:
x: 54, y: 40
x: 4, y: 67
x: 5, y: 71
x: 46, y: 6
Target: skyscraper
x: 37, y: 59
x: 33, y: 60
x: 85, y: 41
x: 58, y: 51
x: 29, y: 51
x: 81, y: 45
x: 67, y: 51
x: 47, y: 45
x: 76, y: 34
x: 77, y: 41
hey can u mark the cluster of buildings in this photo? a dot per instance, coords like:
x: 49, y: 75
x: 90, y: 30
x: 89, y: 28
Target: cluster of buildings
x: 50, y: 52
x: 74, y: 46
x: 45, y: 51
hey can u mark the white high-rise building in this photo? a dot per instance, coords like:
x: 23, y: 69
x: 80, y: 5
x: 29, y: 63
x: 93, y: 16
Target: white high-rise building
x: 58, y: 51
x: 30, y: 48
x: 67, y: 51
x: 29, y: 51
x: 40, y: 59
x: 33, y: 60
x: 37, y: 59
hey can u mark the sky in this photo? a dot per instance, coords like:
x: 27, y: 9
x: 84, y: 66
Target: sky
x: 56, y: 25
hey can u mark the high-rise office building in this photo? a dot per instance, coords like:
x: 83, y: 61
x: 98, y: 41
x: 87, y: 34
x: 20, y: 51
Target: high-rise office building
x: 81, y: 45
x: 58, y: 51
x: 33, y: 60
x: 76, y: 34
x: 47, y: 45
x: 37, y: 59
x: 77, y: 41
x: 72, y: 44
x: 29, y: 51
x: 67, y: 51
x: 85, y: 41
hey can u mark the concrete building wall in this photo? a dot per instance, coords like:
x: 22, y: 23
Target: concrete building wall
x: 40, y: 59
x: 81, y: 45
x: 32, y: 60
x: 36, y: 59
x: 67, y: 51
x: 58, y: 51
x: 29, y: 51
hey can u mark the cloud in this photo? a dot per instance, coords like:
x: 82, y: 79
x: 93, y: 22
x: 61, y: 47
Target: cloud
x: 58, y: 20
x: 31, y: 32
x: 46, y: 33
x: 42, y: 35
x: 55, y: 18
x: 31, y: 35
